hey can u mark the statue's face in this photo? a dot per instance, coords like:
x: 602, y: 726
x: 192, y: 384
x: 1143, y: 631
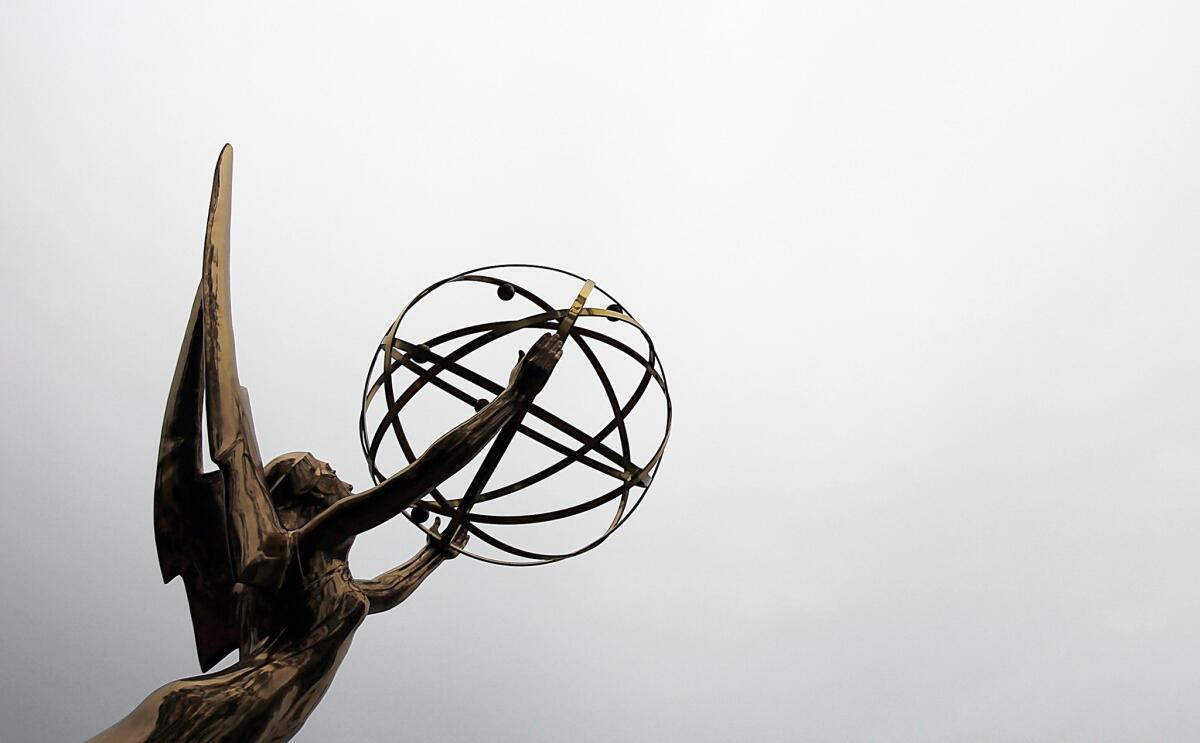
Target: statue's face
x: 323, y: 480
x: 305, y: 488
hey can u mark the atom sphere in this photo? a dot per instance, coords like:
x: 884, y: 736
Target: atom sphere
x: 420, y: 356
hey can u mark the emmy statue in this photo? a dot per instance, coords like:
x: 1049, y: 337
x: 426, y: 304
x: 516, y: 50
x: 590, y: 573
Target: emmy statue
x: 263, y: 550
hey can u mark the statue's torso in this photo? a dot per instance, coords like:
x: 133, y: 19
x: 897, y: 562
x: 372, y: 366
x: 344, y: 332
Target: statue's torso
x: 268, y: 694
x: 295, y: 668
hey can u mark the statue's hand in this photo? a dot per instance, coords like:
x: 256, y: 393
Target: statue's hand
x: 458, y: 540
x: 533, y: 369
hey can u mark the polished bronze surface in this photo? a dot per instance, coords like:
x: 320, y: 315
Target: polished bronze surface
x: 263, y: 549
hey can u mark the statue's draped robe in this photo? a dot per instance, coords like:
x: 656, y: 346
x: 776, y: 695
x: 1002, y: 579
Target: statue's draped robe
x: 268, y: 695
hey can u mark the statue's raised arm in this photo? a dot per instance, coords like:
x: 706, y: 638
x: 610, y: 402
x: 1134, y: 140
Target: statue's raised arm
x: 388, y: 590
x: 444, y: 457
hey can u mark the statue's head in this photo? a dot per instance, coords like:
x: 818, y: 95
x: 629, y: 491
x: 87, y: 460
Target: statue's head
x: 301, y: 486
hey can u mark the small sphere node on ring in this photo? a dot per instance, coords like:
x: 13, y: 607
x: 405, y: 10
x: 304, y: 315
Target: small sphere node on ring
x: 421, y: 354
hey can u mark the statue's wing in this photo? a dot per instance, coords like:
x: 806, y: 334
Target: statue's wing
x: 189, y: 508
x: 216, y: 528
x: 257, y: 546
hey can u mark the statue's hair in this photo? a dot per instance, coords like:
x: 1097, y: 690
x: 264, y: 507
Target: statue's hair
x: 280, y: 468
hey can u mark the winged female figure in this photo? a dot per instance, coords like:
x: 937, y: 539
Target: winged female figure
x: 263, y: 550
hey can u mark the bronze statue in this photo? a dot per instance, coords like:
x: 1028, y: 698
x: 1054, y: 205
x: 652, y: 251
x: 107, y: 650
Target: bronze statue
x: 263, y: 550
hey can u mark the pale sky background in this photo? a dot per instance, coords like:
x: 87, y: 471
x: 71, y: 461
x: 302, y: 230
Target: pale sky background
x: 925, y: 277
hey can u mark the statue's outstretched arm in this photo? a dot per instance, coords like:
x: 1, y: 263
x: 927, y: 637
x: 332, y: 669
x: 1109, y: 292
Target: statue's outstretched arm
x: 446, y: 456
x: 388, y: 589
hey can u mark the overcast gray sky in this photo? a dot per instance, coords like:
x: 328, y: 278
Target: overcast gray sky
x: 924, y: 275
